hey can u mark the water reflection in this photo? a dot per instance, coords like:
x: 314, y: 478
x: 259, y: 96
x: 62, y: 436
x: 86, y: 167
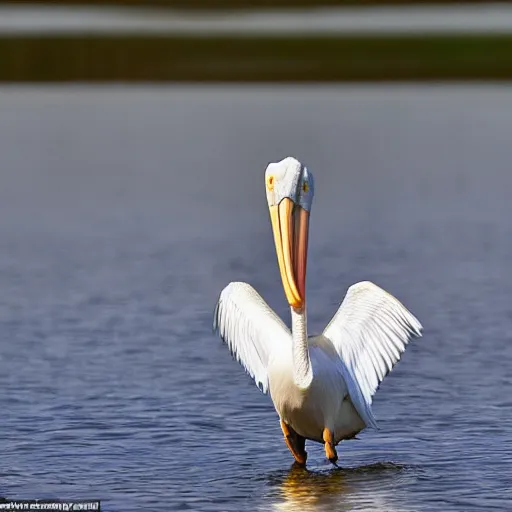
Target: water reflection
x: 370, y: 487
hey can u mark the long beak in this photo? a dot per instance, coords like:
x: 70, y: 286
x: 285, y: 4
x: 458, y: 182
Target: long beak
x: 291, y: 239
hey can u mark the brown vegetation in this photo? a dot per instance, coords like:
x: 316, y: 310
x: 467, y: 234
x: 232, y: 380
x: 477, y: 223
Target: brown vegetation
x: 257, y: 59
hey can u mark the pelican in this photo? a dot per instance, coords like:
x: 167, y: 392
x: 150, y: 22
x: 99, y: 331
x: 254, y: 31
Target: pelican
x: 321, y: 386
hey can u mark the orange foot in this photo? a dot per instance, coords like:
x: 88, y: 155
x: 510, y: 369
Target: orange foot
x: 330, y: 450
x: 296, y: 444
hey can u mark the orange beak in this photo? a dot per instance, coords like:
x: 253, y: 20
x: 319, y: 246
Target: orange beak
x: 290, y: 224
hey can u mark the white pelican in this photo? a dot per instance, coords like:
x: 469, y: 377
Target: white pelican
x: 322, y: 386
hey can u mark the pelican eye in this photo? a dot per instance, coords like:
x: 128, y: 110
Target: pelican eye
x: 270, y: 182
x: 305, y: 186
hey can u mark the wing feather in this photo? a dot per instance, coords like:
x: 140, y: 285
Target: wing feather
x: 249, y: 327
x: 370, y: 331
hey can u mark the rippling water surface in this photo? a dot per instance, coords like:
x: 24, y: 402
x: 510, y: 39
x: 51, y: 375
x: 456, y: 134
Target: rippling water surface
x: 123, y: 213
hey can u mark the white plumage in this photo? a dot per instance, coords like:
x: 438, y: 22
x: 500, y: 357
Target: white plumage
x: 249, y: 327
x: 369, y: 332
x: 322, y: 387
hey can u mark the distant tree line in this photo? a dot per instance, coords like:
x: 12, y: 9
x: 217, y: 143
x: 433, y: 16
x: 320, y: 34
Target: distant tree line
x: 156, y: 58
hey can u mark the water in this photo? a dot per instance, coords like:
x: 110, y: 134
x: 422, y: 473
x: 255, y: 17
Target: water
x: 123, y: 213
x: 399, y: 19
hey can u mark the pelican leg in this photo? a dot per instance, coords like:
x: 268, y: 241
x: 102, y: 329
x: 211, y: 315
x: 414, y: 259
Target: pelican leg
x: 296, y: 444
x: 330, y: 450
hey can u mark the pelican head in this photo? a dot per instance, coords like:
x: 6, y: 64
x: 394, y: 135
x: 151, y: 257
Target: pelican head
x: 290, y: 190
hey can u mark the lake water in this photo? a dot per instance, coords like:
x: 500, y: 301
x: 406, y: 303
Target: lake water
x: 19, y: 19
x: 123, y: 213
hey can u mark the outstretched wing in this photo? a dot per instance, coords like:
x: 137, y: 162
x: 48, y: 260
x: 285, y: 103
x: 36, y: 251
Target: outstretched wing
x: 249, y: 327
x: 370, y: 331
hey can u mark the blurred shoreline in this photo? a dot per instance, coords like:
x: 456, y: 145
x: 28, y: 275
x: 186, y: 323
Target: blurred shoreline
x: 94, y: 44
